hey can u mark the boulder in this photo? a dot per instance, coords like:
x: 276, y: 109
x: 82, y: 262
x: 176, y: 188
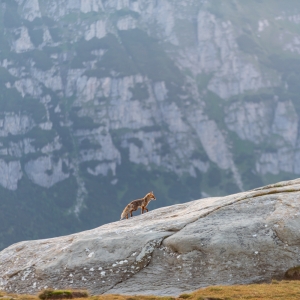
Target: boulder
x: 243, y: 238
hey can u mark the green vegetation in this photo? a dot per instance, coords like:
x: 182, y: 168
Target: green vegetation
x: 149, y: 57
x: 248, y: 45
x: 186, y: 32
x: 87, y: 144
x: 290, y: 69
x: 168, y: 189
x: 139, y: 92
x: 30, y: 205
x: 214, y: 108
x: 293, y: 273
x: 115, y: 58
x: 12, y: 101
x: 136, y: 142
x: 42, y: 60
x: 244, y: 156
x: 203, y: 80
x: 34, y: 108
x: 55, y: 294
x: 280, y: 290
x: 165, y: 147
x: 62, y: 294
x: 282, y: 176
x: 185, y: 296
x: 5, y: 76
x: 36, y: 22
x: 36, y: 36
x: 125, y: 12
x: 48, y: 21
x: 65, y: 138
x: 4, y: 45
x: 262, y: 97
x: 55, y: 34
x: 11, y: 19
x: 82, y: 122
x: 200, y: 154
x: 41, y: 137
x: 218, y: 182
x: 72, y: 17
x: 15, y: 100
x: 175, y: 90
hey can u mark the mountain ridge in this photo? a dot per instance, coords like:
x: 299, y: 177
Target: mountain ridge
x: 111, y: 99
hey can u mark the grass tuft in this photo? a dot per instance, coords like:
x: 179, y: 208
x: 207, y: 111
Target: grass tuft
x: 293, y: 273
x: 212, y: 298
x: 185, y: 296
x: 279, y: 290
x: 62, y: 294
x: 274, y: 281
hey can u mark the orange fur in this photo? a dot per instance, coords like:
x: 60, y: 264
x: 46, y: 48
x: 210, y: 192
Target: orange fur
x: 135, y: 204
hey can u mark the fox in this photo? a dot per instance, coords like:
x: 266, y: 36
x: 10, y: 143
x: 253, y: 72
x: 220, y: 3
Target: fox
x: 135, y: 204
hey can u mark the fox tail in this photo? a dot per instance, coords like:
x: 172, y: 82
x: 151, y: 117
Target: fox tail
x: 124, y: 213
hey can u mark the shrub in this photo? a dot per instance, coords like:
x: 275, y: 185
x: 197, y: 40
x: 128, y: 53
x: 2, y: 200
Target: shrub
x: 293, y: 273
x: 58, y: 294
x: 62, y: 294
x: 5, y: 76
x: 80, y: 294
x: 11, y: 18
x: 36, y: 36
x: 185, y: 296
x: 42, y: 60
x: 41, y: 137
x: 212, y: 298
x: 55, y: 34
x: 139, y: 91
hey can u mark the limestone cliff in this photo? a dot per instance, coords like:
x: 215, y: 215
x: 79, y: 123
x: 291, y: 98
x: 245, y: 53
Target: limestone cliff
x: 189, y: 98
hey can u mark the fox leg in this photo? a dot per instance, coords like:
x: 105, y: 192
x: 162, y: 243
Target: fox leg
x: 132, y: 211
x: 146, y: 209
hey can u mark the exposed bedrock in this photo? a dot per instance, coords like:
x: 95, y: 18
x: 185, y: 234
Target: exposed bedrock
x: 242, y: 238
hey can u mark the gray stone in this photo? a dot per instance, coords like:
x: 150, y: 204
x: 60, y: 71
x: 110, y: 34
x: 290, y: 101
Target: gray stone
x: 45, y: 172
x: 168, y: 130
x: 11, y: 173
x: 238, y: 239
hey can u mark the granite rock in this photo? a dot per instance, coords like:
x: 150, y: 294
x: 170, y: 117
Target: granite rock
x: 238, y: 239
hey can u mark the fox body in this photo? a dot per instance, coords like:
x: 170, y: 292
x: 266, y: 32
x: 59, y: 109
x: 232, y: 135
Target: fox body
x: 135, y: 204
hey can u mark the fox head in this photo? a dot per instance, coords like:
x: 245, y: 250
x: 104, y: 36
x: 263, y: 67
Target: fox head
x: 151, y: 196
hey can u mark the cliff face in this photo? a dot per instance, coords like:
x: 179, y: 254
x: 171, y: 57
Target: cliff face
x: 238, y: 239
x: 104, y: 100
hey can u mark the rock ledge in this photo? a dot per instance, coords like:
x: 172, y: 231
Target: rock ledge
x: 244, y: 238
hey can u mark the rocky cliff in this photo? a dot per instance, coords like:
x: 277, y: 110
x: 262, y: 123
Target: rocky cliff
x: 243, y: 238
x: 188, y: 99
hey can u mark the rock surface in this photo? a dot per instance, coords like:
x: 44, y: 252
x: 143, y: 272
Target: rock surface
x: 242, y: 238
x: 210, y: 49
x: 188, y: 91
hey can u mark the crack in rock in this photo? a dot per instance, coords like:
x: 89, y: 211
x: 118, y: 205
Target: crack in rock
x: 225, y: 238
x: 142, y: 259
